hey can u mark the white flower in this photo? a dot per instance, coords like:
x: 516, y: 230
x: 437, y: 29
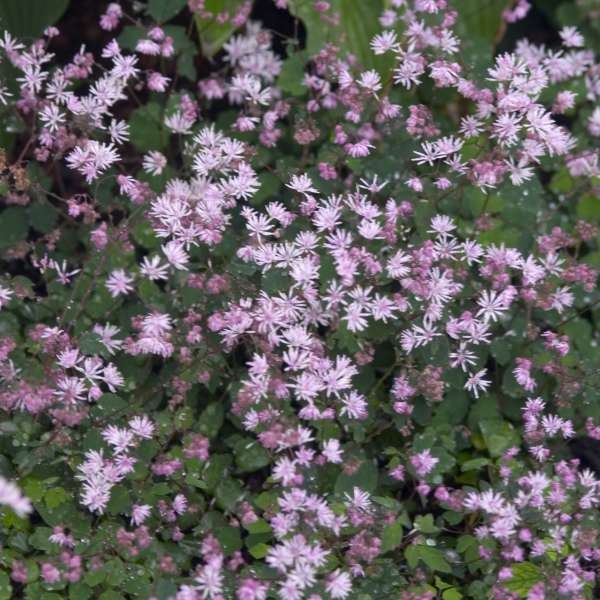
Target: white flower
x: 154, y: 162
x: 5, y: 295
x: 176, y: 255
x: 370, y: 81
x: 11, y: 496
x: 332, y: 451
x: 339, y: 584
x: 477, y: 383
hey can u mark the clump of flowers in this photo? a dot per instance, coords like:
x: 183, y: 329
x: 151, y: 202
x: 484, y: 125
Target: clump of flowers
x: 314, y: 320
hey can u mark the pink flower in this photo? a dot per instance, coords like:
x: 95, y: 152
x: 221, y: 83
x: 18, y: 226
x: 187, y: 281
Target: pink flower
x: 119, y: 283
x: 423, y: 462
x: 339, y: 584
x: 110, y: 19
x: 139, y: 513
x: 332, y: 451
x: 11, y: 496
x: 142, y: 427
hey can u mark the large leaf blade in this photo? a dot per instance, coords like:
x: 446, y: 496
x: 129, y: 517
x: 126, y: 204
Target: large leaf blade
x: 29, y: 18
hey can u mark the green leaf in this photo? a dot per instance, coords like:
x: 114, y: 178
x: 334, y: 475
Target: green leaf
x: 453, y: 408
x: 150, y: 293
x: 562, y: 182
x: 259, y: 526
x: 524, y: 576
x: 265, y: 500
x: 250, y: 456
x: 211, y: 33
x: 451, y: 594
x: 33, y: 489
x: 478, y: 26
x: 588, y: 208
x: 216, y: 469
x: 89, y: 343
x: 580, y: 331
x: 392, y: 536
x: 110, y: 404
x: 94, y: 578
x: 92, y: 440
x: 186, y: 66
x: 80, y: 591
x: 211, y: 419
x: 55, y: 497
x: 431, y: 556
x: 39, y: 539
x: 292, y: 74
x: 29, y: 18
x: 275, y: 280
x: 98, y: 304
x: 130, y: 36
x: 230, y: 539
x: 137, y: 584
x: 110, y: 595
x: 386, y: 502
x: 365, y: 478
x: 164, y: 10
x: 501, y: 350
x: 474, y: 464
x: 228, y: 493
x: 145, y: 128
x: 145, y: 236
x: 14, y: 225
x: 5, y: 586
x: 269, y: 187
x: 119, y: 502
x: 466, y: 543
x: 498, y: 435
x: 481, y: 19
x: 358, y: 23
x: 425, y: 524
x: 42, y: 216
x: 115, y: 569
x: 259, y: 551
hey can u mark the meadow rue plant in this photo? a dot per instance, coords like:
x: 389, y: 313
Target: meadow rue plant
x: 299, y: 300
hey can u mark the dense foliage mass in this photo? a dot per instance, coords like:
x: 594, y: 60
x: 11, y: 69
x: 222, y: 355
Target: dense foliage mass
x: 307, y: 313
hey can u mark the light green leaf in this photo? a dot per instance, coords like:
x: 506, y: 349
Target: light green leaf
x: 498, y: 435
x: 228, y: 493
x: 79, y: 591
x: 259, y: 551
x: 425, y: 524
x: 229, y: 538
x: 250, y: 456
x: 163, y: 10
x: 524, y: 576
x: 292, y: 74
x: 29, y: 18
x: 145, y: 128
x: 14, y: 225
x: 211, y: 419
x: 120, y: 500
x: 365, y: 478
x: 43, y: 216
x: 433, y: 558
x: 5, y: 586
x: 259, y: 526
x: 55, y: 497
x: 392, y: 536
x: 474, y: 464
x: 358, y: 23
x: 212, y: 34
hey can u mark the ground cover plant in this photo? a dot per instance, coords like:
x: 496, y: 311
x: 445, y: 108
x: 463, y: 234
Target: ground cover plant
x: 298, y: 299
